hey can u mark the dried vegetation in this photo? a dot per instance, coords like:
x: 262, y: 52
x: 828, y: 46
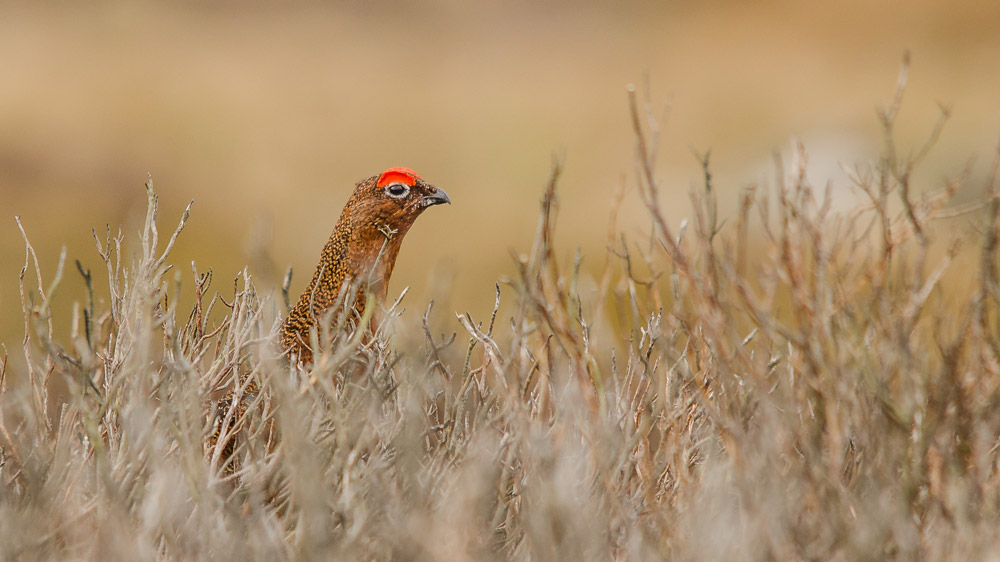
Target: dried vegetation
x: 787, y: 383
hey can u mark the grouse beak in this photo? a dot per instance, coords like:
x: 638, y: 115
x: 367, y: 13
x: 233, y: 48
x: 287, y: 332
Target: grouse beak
x: 436, y: 198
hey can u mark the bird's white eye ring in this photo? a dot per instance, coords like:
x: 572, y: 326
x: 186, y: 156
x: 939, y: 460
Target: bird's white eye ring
x: 397, y: 190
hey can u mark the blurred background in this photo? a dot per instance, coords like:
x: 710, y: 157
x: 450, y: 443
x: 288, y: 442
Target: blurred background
x: 266, y: 114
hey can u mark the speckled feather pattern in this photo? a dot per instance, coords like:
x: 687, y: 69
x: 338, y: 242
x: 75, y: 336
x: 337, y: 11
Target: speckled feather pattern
x: 362, y: 249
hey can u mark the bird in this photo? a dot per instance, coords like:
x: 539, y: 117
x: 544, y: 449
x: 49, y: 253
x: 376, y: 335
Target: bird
x: 360, y: 254
x: 361, y: 250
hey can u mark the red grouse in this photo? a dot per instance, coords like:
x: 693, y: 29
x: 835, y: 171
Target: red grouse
x: 362, y: 249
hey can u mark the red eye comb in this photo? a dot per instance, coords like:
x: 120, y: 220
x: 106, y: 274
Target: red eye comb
x: 400, y: 174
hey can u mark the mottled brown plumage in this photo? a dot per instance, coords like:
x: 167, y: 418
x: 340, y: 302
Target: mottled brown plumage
x: 362, y: 249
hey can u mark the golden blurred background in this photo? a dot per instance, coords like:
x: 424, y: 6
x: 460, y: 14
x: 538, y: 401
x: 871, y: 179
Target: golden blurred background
x: 266, y: 114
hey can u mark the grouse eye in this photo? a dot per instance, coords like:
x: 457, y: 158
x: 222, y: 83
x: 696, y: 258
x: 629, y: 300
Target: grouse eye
x: 397, y: 190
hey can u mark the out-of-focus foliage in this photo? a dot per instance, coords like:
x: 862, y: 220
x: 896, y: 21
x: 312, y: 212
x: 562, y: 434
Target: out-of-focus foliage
x: 822, y: 398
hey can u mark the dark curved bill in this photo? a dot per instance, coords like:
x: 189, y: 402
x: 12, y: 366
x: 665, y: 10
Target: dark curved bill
x: 436, y: 198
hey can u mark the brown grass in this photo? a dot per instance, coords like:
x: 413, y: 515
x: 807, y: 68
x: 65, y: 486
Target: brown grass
x: 822, y: 397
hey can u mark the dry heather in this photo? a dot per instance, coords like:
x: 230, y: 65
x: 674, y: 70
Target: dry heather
x: 786, y: 383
